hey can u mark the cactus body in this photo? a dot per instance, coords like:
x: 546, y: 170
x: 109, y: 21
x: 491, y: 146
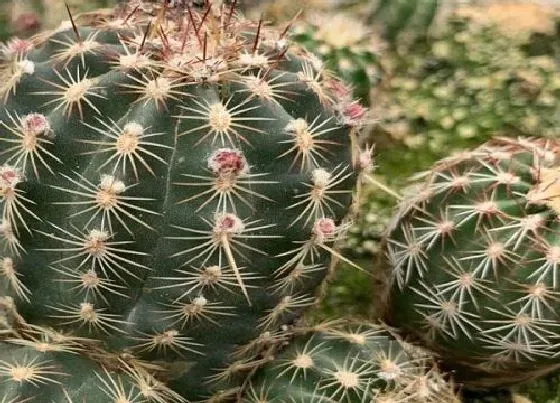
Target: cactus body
x: 25, y: 369
x: 352, y: 363
x: 51, y: 367
x: 474, y: 262
x: 171, y: 181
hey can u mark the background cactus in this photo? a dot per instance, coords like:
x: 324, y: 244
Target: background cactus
x: 473, y: 253
x: 172, y: 181
x: 349, y: 363
x: 346, y: 47
x: 410, y: 18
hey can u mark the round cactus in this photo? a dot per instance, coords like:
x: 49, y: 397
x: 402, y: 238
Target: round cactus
x: 474, y: 256
x: 344, y: 46
x: 349, y: 363
x: 172, y: 179
x: 52, y: 367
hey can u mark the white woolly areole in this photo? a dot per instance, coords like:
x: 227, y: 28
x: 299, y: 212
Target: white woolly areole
x: 158, y: 88
x: 321, y: 178
x: 133, y: 129
x: 5, y: 229
x: 7, y: 265
x: 134, y: 60
x: 297, y: 126
x: 199, y: 301
x: 27, y: 66
x: 347, y: 379
x: 255, y: 59
x: 389, y: 370
x: 303, y: 361
x: 110, y: 184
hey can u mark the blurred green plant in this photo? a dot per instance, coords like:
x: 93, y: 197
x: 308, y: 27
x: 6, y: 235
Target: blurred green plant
x: 469, y: 85
x: 404, y: 17
x: 400, y: 21
x: 345, y: 46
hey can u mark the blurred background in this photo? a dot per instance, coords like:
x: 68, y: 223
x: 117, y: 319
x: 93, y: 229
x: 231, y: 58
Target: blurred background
x: 439, y: 76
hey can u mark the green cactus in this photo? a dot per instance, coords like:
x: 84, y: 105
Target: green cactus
x: 345, y: 46
x: 474, y: 259
x: 53, y: 368
x: 412, y: 18
x: 172, y: 180
x: 349, y: 363
x: 399, y: 21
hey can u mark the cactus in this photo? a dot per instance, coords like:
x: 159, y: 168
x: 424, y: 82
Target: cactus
x: 172, y: 180
x: 412, y: 18
x: 349, y: 363
x: 51, y: 367
x: 474, y: 253
x: 345, y: 46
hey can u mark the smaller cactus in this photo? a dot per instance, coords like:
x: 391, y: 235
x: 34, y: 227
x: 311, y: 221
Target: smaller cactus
x: 348, y: 363
x: 475, y: 260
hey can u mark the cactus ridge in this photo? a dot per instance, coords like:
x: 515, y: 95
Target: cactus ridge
x: 172, y: 180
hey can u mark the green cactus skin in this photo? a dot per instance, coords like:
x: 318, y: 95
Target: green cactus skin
x: 348, y: 363
x: 344, y: 46
x: 474, y: 257
x: 52, y: 368
x: 172, y: 180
